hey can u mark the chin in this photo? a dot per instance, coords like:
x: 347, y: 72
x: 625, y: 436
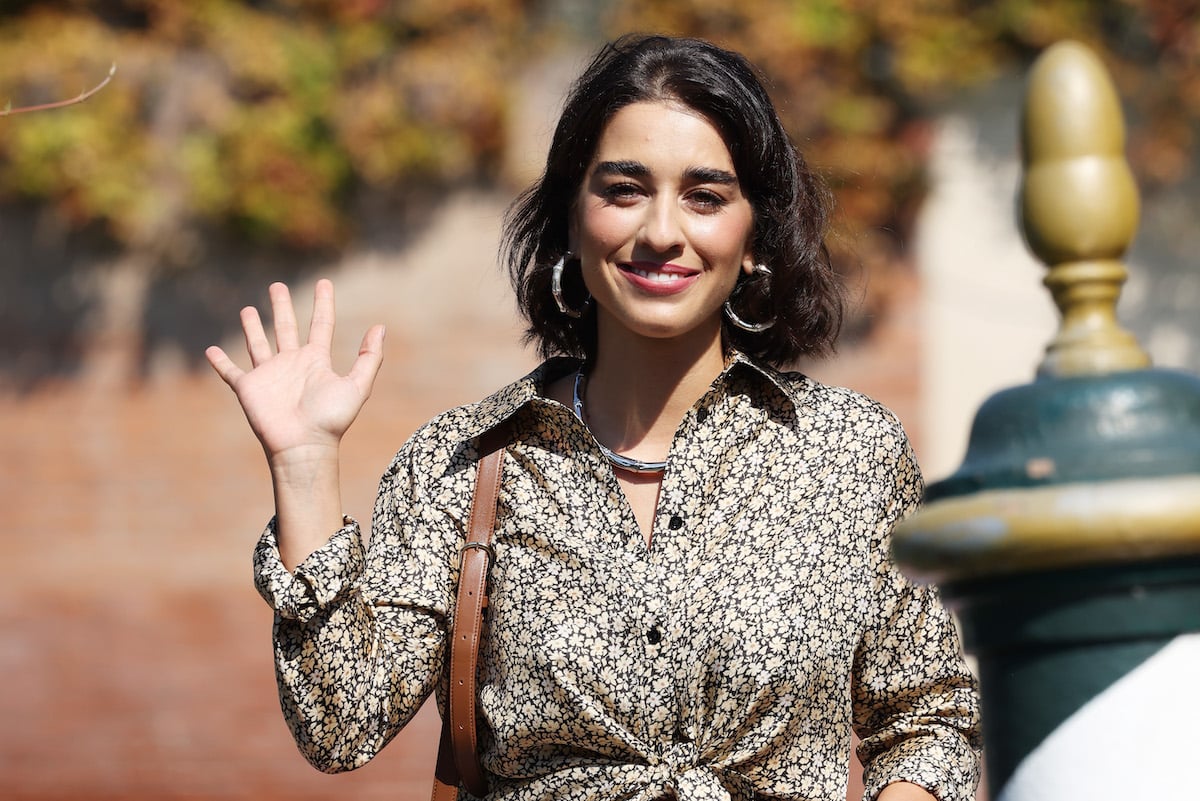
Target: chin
x: 664, y: 330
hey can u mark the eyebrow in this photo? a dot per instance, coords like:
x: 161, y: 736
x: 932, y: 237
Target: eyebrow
x: 711, y: 175
x: 636, y: 169
x: 630, y: 169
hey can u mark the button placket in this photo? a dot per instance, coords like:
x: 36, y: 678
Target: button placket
x: 653, y: 629
x: 653, y: 638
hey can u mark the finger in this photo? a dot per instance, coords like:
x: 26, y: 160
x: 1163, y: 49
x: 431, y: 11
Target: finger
x: 256, y: 338
x: 370, y: 357
x: 287, y: 335
x: 224, y: 365
x: 320, y: 331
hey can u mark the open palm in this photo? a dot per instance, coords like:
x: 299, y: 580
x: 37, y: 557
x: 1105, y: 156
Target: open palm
x: 292, y: 397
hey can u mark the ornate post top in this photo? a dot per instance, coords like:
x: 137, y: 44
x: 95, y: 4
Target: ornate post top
x: 1097, y: 462
x: 1079, y: 208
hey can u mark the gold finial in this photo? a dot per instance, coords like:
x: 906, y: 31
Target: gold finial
x: 1079, y: 208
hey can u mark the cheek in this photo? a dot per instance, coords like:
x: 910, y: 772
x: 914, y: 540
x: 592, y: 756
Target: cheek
x: 601, y: 230
x: 725, y: 238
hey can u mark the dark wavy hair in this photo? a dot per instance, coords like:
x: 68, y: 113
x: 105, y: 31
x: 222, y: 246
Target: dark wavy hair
x: 791, y: 206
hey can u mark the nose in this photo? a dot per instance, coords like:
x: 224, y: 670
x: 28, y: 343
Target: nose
x: 661, y: 229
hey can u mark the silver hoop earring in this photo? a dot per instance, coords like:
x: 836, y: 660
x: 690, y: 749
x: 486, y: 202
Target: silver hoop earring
x: 556, y: 289
x: 754, y: 328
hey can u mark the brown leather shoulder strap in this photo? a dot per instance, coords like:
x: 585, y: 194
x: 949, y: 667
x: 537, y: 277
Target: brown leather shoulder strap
x: 458, y: 757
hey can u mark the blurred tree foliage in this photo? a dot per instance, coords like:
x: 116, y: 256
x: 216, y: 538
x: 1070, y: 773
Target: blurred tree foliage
x: 264, y: 117
x: 259, y: 117
x: 857, y: 80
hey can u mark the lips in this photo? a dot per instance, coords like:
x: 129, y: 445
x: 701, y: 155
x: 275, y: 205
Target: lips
x: 659, y: 279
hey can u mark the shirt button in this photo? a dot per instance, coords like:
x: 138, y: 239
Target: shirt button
x: 654, y: 636
x: 675, y: 523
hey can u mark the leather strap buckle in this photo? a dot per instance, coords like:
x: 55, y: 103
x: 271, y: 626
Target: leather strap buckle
x: 491, y: 552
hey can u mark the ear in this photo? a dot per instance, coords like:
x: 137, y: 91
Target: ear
x: 748, y: 263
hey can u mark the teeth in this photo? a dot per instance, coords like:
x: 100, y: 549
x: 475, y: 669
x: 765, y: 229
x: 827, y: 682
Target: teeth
x: 659, y: 277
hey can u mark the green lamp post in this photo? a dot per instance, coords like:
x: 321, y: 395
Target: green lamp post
x: 1068, y: 542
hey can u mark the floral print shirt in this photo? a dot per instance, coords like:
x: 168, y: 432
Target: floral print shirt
x: 727, y: 661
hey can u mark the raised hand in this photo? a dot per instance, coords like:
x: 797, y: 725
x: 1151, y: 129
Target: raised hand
x: 292, y: 397
x: 299, y: 408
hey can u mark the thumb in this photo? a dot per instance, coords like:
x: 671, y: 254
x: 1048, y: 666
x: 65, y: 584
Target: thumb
x: 226, y: 369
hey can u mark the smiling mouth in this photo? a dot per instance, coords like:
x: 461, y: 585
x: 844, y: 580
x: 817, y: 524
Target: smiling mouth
x: 659, y: 274
x: 661, y: 278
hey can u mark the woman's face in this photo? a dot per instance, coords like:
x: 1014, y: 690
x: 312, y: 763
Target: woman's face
x: 660, y: 223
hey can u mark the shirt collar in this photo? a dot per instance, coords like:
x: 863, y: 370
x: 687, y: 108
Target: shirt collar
x: 504, y: 403
x: 792, y: 386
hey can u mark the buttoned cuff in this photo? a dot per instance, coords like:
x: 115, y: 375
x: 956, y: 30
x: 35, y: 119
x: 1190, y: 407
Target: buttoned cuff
x: 317, y: 581
x: 946, y: 772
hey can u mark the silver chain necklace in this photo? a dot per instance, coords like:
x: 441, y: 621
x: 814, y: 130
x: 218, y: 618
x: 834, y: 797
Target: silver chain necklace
x: 623, y: 462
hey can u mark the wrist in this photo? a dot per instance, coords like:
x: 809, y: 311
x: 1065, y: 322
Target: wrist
x: 302, y: 464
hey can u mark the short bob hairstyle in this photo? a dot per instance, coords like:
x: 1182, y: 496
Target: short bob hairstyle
x: 803, y: 294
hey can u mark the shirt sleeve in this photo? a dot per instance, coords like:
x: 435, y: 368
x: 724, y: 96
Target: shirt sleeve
x: 359, y: 633
x: 318, y: 580
x: 916, y: 705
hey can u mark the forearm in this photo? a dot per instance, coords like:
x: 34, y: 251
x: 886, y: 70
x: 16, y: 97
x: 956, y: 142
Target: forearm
x: 308, y: 501
x: 352, y: 679
x: 356, y: 655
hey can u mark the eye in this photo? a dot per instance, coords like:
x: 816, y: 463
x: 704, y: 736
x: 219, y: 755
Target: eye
x: 706, y: 200
x: 622, y: 192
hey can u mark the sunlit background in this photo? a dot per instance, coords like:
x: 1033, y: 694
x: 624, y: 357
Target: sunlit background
x: 378, y: 143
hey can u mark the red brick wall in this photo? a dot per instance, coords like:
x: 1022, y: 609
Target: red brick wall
x: 135, y: 653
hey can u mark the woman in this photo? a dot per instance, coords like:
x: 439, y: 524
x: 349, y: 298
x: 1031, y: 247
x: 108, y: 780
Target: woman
x: 692, y: 596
